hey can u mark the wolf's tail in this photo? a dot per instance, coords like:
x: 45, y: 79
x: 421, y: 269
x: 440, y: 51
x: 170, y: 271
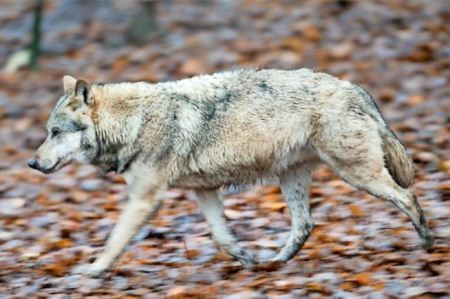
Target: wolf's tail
x: 397, y: 160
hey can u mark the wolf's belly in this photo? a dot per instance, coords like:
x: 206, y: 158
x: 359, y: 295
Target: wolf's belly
x: 222, y: 178
x: 244, y: 173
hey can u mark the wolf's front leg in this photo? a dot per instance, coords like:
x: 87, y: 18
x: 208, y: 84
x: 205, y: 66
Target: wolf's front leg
x: 142, y: 203
x: 212, y: 208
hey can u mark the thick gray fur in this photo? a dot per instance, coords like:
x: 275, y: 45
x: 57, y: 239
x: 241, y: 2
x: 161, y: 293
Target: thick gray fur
x: 231, y: 128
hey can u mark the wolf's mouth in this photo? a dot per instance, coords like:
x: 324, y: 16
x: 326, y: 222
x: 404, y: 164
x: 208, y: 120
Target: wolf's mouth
x: 51, y: 169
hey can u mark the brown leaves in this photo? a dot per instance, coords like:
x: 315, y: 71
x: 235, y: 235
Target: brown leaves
x: 363, y: 278
x: 355, y: 210
x: 319, y: 287
x: 59, y: 265
x: 182, y: 292
x: 311, y: 33
x: 194, y: 67
x: 361, y: 245
x: 60, y: 244
x: 57, y: 269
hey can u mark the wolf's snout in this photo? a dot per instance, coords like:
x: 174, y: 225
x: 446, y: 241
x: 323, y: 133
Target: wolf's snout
x: 33, y: 163
x: 43, y: 165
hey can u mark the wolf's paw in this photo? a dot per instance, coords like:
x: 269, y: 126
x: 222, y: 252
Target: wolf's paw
x: 249, y: 261
x: 245, y: 259
x: 92, y: 270
x: 427, y: 241
x: 280, y: 258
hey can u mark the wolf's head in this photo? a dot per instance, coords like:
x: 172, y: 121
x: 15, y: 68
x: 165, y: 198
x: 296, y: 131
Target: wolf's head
x: 70, y: 130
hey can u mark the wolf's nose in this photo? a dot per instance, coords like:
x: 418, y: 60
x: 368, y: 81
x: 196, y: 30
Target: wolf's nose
x: 33, y: 163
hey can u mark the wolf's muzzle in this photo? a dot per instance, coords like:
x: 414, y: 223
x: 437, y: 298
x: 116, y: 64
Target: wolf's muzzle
x: 33, y: 164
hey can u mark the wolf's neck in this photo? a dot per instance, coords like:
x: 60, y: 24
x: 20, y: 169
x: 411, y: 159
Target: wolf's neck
x: 117, y: 112
x: 116, y: 93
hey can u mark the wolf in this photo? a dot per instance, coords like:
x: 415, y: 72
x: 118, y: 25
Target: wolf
x: 228, y: 129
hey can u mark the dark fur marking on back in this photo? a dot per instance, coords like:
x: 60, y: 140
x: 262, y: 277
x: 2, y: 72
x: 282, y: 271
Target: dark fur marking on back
x: 356, y: 109
x: 209, y: 112
x: 223, y: 102
x: 371, y: 102
x: 265, y: 87
x: 226, y: 98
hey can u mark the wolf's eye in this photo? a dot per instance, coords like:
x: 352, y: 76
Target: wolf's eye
x: 55, y: 132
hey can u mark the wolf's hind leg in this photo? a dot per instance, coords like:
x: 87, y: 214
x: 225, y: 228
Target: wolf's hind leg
x: 370, y: 175
x: 211, y: 205
x: 295, y: 189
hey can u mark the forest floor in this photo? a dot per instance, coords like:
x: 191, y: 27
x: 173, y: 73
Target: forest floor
x: 361, y: 246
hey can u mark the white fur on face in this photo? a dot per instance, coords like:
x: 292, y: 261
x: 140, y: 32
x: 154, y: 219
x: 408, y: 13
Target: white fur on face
x: 60, y: 151
x: 68, y: 146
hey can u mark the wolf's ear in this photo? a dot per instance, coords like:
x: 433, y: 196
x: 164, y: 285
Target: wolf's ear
x: 82, y: 89
x: 69, y: 83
